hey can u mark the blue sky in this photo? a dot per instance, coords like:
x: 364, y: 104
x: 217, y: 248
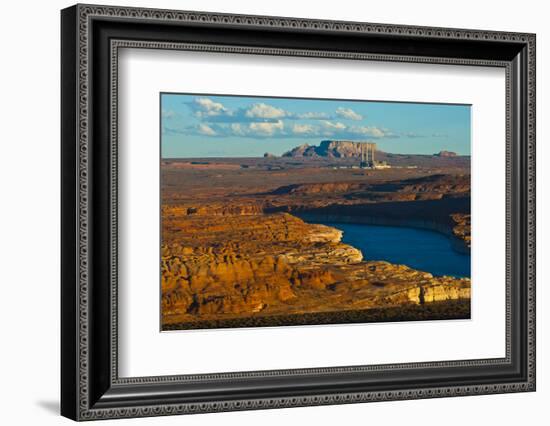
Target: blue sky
x: 196, y: 125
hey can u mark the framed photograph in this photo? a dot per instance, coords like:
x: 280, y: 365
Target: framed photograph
x: 263, y: 212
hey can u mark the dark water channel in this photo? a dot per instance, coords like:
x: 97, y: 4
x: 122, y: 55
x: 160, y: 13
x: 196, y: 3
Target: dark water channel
x: 420, y: 249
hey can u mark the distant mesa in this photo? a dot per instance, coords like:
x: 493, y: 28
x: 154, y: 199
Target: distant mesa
x: 446, y: 154
x: 304, y: 150
x: 269, y: 155
x: 361, y: 151
x: 329, y: 149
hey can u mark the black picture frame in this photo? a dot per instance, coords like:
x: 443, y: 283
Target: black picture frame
x: 90, y: 386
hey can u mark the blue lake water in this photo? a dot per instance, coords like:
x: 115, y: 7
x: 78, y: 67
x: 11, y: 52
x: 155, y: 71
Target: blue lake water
x: 420, y: 249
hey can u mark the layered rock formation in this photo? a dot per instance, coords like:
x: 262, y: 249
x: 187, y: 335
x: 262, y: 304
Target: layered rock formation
x: 446, y: 154
x: 277, y: 264
x: 431, y: 187
x: 304, y: 150
x: 328, y: 148
x: 462, y: 227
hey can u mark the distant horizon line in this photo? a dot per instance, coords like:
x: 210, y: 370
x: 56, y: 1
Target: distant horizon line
x: 281, y: 156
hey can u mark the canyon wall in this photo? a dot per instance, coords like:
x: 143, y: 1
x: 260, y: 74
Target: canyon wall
x: 275, y: 264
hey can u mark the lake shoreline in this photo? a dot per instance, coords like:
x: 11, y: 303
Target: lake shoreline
x: 431, y: 225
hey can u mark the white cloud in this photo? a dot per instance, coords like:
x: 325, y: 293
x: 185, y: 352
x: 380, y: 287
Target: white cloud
x: 331, y: 125
x: 262, y: 120
x: 206, y: 130
x: 237, y: 129
x: 266, y: 129
x: 413, y: 135
x: 168, y: 113
x: 262, y: 110
x: 368, y: 131
x: 280, y: 129
x: 303, y: 129
x: 207, y: 107
x: 313, y: 116
x: 348, y: 114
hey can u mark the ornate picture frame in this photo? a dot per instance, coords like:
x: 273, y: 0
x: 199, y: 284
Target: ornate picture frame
x: 91, y: 38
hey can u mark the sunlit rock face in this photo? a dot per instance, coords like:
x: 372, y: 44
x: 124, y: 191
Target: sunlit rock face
x: 462, y: 227
x: 446, y: 154
x: 328, y: 148
x: 276, y: 264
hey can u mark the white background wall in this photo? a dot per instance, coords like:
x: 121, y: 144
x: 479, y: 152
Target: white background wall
x: 29, y: 213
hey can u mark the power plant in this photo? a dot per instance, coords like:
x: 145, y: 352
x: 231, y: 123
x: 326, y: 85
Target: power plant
x: 367, y: 155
